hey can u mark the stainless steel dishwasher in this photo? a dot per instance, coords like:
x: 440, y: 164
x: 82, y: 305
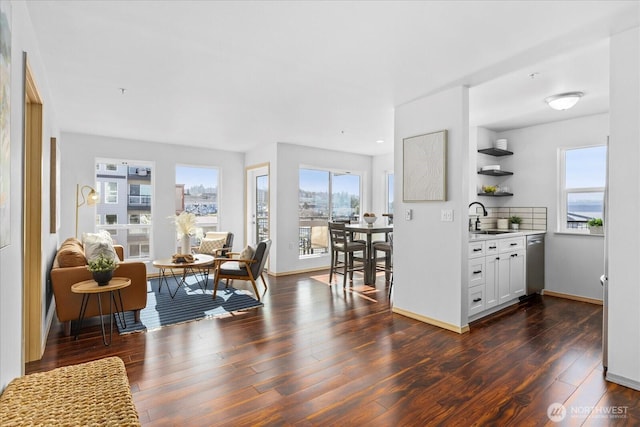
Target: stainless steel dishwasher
x: 535, y: 264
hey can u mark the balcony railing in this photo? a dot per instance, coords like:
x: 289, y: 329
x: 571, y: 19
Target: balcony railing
x: 139, y: 202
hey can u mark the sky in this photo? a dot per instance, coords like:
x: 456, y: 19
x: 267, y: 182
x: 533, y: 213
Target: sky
x: 191, y: 176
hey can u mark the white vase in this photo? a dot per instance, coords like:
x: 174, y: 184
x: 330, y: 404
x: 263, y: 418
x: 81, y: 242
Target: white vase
x: 185, y: 243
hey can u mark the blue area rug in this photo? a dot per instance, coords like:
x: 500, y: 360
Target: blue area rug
x: 190, y: 303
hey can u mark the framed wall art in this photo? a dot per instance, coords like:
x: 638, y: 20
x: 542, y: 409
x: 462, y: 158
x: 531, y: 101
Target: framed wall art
x: 425, y: 167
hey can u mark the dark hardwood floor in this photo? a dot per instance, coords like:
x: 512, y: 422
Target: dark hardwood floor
x: 317, y: 355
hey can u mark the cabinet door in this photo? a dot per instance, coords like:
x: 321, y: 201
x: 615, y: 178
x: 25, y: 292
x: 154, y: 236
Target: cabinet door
x: 504, y: 291
x: 516, y: 273
x: 491, y: 276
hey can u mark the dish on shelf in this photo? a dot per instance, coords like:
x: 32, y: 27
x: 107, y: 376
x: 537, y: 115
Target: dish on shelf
x: 490, y: 168
x: 489, y: 189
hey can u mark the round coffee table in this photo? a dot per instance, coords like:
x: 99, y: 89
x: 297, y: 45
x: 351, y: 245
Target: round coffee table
x: 91, y: 287
x: 200, y: 265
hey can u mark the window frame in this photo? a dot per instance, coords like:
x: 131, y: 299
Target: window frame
x: 564, y: 192
x: 110, y: 193
x: 331, y: 172
x: 203, y: 226
x: 122, y: 232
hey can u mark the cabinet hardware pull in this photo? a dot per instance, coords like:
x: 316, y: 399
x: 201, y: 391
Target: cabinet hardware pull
x: 492, y: 247
x: 477, y: 249
x: 477, y: 272
x: 514, y: 255
x: 477, y: 300
x: 497, y: 258
x: 514, y: 244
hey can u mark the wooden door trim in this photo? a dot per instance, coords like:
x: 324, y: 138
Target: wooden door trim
x: 32, y: 204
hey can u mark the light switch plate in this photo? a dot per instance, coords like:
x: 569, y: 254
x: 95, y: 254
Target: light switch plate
x: 446, y: 215
x: 408, y: 215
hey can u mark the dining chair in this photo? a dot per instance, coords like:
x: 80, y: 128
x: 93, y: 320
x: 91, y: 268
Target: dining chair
x: 341, y: 243
x: 244, y: 267
x: 386, y: 248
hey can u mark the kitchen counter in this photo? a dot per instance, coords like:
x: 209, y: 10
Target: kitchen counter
x: 475, y: 236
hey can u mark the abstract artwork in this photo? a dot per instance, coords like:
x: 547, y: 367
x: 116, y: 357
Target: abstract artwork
x: 425, y: 167
x: 5, y: 122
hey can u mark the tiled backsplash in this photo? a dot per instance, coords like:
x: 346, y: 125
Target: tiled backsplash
x: 532, y: 218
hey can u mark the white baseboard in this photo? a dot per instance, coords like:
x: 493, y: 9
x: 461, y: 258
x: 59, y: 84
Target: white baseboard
x: 444, y: 325
x: 626, y: 382
x: 571, y: 297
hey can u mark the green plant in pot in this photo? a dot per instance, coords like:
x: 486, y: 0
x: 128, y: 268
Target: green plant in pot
x: 102, y: 268
x: 595, y: 225
x: 515, y: 222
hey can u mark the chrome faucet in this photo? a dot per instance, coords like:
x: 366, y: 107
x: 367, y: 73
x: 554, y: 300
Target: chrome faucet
x: 477, y: 223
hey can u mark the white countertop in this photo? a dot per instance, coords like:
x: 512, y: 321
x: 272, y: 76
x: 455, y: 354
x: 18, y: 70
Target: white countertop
x: 509, y: 233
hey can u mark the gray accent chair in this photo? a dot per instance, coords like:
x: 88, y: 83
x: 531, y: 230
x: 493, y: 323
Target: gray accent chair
x: 234, y: 268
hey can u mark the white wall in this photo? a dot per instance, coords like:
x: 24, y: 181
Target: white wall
x: 79, y: 153
x: 289, y: 160
x: 573, y: 263
x: 623, y: 226
x: 11, y: 257
x: 427, y: 252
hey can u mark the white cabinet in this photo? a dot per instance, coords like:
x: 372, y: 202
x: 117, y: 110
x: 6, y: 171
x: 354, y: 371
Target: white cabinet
x: 516, y: 274
x: 476, y: 300
x: 503, y: 273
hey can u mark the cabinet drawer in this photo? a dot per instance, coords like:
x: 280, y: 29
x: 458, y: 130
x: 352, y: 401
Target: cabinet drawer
x: 476, y: 300
x: 476, y: 271
x: 491, y: 247
x: 511, y: 244
x: 476, y: 249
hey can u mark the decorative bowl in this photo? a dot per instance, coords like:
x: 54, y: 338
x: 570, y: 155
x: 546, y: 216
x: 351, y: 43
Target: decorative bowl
x: 370, y: 219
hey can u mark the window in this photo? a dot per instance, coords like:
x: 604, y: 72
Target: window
x: 583, y: 179
x: 390, y: 192
x: 197, y: 193
x: 324, y: 195
x: 111, y: 192
x: 134, y: 210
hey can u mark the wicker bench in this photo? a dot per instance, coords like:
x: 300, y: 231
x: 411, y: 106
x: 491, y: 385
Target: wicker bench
x: 89, y: 394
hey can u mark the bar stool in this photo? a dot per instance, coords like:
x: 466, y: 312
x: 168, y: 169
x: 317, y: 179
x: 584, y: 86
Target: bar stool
x: 341, y: 243
x: 386, y: 248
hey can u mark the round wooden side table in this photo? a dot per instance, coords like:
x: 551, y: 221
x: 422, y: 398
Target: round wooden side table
x: 91, y: 287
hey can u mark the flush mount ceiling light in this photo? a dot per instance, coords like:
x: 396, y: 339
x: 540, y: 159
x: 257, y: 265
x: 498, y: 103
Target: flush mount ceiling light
x: 564, y: 101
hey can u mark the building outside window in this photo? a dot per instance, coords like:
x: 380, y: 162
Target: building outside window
x: 582, y: 187
x: 128, y: 219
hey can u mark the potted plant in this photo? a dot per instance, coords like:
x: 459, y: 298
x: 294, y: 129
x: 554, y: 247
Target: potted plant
x: 102, y: 268
x: 515, y: 222
x: 595, y: 225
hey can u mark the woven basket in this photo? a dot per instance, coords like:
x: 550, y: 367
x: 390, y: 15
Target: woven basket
x: 89, y: 394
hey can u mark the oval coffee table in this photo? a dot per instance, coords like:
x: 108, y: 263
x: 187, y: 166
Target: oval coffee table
x: 199, y: 266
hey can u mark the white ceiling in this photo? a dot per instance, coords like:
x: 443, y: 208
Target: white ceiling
x: 235, y: 75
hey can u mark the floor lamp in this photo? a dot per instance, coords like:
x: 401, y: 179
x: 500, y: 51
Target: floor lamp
x: 90, y: 199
